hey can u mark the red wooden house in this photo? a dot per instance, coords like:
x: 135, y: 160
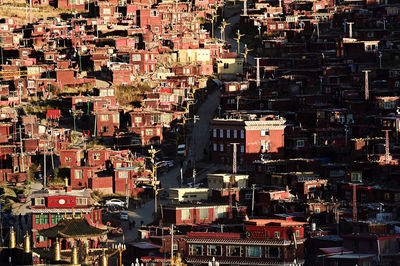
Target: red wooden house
x: 48, y: 207
x: 107, y: 122
x: 80, y: 176
x: 79, y: 5
x: 265, y: 241
x: 143, y: 61
x: 97, y: 157
x: 71, y: 157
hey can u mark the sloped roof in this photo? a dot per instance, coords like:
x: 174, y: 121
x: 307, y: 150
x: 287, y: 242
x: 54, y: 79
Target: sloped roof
x: 72, y: 227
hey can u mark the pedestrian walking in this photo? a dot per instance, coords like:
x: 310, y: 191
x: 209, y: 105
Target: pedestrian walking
x: 134, y: 224
x: 130, y: 225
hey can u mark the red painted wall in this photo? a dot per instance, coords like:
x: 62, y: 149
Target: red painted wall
x: 53, y: 202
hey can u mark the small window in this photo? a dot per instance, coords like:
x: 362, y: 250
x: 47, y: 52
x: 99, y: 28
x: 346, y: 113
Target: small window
x: 235, y: 251
x: 115, y: 118
x: 123, y: 174
x: 317, y: 210
x: 264, y: 145
x: 204, y: 213
x: 265, y: 132
x: 214, y: 147
x: 297, y: 233
x: 214, y: 250
x: 214, y: 133
x: 196, y: 250
x: 277, y: 234
x: 387, y: 196
x: 96, y: 156
x: 39, y: 201
x: 103, y: 117
x: 185, y: 214
x: 221, y: 147
x: 235, y: 134
x: 242, y: 134
x: 149, y: 132
x: 253, y: 252
x: 226, y: 65
x: 228, y: 133
x: 300, y: 143
x: 356, y: 177
x: 78, y: 173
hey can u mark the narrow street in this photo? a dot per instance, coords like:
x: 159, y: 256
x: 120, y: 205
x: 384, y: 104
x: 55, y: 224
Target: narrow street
x: 171, y: 178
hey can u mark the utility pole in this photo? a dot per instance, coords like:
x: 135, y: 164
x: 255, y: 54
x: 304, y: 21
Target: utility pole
x: 1, y: 47
x: 366, y: 84
x: 234, y: 170
x: 258, y: 73
x: 193, y: 148
x: 95, y: 124
x: 222, y: 27
x: 387, y: 151
x: 350, y: 29
x: 237, y: 102
x: 252, y: 201
x: 30, y: 11
x: 246, y: 51
x: 181, y: 177
x: 52, y: 149
x: 44, y: 168
x: 22, y: 169
x: 20, y: 93
x: 317, y: 24
x: 354, y: 205
x: 127, y: 192
x: 238, y: 40
x: 213, y: 17
x: 172, y: 244
x: 27, y: 170
x: 153, y: 152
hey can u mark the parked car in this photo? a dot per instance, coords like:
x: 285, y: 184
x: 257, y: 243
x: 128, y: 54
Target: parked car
x: 164, y: 194
x: 115, y: 202
x: 193, y: 185
x: 124, y: 216
x: 167, y: 164
x: 181, y: 150
x: 21, y: 198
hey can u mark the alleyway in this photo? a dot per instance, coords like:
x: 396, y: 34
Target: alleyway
x: 171, y: 178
